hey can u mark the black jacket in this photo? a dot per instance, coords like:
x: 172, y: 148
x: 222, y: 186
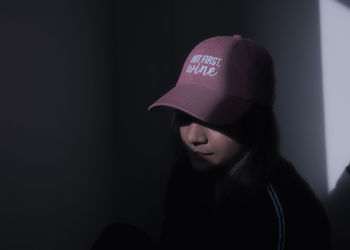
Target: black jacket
x: 244, y: 211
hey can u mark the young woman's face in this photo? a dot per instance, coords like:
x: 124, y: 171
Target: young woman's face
x: 208, y: 148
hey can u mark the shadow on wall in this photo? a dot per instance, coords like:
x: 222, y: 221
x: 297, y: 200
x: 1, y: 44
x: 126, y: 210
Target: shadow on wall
x: 345, y: 2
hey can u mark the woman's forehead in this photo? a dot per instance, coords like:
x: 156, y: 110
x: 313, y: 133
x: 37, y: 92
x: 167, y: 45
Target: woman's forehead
x: 181, y: 116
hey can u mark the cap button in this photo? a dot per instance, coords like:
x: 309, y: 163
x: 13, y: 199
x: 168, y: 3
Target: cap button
x: 237, y: 36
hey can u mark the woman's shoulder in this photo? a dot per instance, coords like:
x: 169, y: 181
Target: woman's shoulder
x: 295, y: 192
x: 304, y: 212
x: 285, y: 174
x: 288, y: 181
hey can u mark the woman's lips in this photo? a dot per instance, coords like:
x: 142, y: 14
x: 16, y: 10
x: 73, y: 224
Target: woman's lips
x: 200, y: 153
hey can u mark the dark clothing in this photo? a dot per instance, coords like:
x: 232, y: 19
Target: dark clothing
x: 124, y: 236
x: 251, y: 209
x: 243, y: 211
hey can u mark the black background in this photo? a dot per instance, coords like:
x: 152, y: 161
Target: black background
x: 78, y: 148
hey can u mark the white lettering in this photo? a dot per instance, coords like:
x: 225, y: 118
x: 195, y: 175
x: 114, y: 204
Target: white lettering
x: 196, y: 58
x: 202, y: 70
x: 212, y: 72
x: 192, y: 68
x: 204, y: 59
x: 219, y: 62
x: 199, y: 65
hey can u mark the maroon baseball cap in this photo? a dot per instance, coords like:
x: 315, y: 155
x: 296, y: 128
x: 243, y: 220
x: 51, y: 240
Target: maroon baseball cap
x: 221, y: 79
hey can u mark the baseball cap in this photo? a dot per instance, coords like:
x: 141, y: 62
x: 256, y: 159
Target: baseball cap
x: 222, y: 77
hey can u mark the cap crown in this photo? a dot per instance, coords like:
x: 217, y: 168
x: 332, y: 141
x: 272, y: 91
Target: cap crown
x: 233, y: 66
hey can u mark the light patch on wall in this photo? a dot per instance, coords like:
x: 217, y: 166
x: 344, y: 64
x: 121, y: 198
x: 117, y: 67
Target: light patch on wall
x: 335, y: 50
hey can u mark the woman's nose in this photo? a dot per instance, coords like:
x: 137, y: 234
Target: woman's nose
x: 196, y: 134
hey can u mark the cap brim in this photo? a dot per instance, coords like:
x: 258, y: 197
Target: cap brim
x: 204, y: 104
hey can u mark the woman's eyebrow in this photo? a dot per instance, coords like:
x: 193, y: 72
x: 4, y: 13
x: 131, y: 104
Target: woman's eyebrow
x: 184, y: 115
x: 187, y: 117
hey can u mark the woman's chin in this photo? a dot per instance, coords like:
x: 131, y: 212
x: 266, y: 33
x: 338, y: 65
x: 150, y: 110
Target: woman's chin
x: 201, y: 165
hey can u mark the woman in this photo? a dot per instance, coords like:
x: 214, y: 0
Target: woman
x: 229, y: 188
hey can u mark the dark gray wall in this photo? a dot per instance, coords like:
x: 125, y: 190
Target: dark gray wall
x: 79, y: 149
x: 55, y: 78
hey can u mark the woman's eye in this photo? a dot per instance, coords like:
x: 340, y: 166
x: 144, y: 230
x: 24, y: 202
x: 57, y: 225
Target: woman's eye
x: 182, y: 119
